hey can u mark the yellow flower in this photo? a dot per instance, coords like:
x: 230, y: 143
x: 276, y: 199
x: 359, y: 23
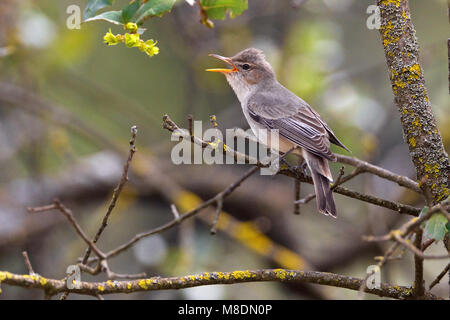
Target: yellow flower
x: 132, y: 27
x: 132, y: 40
x: 110, y: 39
x: 152, y: 51
x: 150, y: 48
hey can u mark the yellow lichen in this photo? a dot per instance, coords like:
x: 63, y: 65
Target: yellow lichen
x: 412, y: 142
x: 404, y: 15
x: 431, y: 168
x: 43, y: 281
x: 142, y: 284
x: 387, y: 2
x: 101, y: 288
x: 241, y: 274
x: 415, y: 68
x: 417, y: 123
x: 206, y: 276
x: 400, y: 83
x: 280, y: 274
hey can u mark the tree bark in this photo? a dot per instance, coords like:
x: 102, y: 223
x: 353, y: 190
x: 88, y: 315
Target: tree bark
x: 411, y: 97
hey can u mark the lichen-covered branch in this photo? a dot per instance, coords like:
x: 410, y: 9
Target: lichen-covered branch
x: 53, y: 286
x: 426, y: 149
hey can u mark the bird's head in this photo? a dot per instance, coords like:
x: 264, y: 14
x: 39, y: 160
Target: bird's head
x: 248, y: 68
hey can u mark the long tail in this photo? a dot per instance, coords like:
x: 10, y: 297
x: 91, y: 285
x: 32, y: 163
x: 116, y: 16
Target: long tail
x: 321, y: 175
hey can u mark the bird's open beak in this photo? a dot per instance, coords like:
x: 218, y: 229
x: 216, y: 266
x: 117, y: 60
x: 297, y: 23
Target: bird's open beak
x: 225, y: 59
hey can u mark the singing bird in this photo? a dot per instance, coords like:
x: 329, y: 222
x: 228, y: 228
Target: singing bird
x: 269, y: 105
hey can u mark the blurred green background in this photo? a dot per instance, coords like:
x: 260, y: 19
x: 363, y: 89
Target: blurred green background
x: 90, y: 95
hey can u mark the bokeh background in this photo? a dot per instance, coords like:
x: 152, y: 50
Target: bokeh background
x: 67, y: 102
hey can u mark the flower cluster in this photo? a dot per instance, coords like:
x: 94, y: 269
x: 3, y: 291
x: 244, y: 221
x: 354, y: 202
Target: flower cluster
x: 131, y: 40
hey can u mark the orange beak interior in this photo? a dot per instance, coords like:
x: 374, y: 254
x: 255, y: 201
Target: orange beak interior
x: 226, y: 60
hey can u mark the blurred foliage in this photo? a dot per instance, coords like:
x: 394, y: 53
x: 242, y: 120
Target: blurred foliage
x: 322, y: 51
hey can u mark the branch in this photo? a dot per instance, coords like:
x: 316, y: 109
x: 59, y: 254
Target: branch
x: 28, y: 263
x: 178, y: 218
x: 419, y: 282
x: 289, y: 171
x: 116, y: 192
x: 57, y: 205
x: 381, y: 172
x: 408, y: 85
x: 53, y: 286
x: 440, y: 276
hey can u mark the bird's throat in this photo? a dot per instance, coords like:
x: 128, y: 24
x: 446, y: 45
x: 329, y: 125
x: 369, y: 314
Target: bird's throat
x: 241, y: 88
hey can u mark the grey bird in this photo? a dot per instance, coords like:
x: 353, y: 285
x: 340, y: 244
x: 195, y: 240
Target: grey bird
x: 269, y: 105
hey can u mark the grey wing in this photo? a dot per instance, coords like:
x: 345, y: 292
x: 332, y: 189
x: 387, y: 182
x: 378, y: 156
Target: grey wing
x: 332, y: 137
x: 295, y: 122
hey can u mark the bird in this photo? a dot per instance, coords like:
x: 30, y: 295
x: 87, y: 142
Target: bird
x: 269, y: 105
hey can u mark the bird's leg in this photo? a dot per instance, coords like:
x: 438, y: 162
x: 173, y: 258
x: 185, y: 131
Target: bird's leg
x: 301, y: 165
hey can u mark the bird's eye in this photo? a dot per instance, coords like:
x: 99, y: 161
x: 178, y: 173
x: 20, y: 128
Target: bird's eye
x: 245, y: 66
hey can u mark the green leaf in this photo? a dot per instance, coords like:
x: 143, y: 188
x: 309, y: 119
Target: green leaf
x: 436, y: 227
x: 130, y: 10
x: 93, y: 6
x: 153, y: 8
x: 217, y: 9
x: 110, y: 16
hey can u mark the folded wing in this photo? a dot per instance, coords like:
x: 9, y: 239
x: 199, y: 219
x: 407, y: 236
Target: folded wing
x: 295, y: 121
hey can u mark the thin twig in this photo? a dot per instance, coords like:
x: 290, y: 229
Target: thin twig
x: 417, y: 252
x: 57, y: 205
x: 297, y: 192
x: 175, y: 212
x: 419, y: 282
x: 116, y: 193
x: 28, y: 263
x: 440, y: 276
x: 186, y: 215
x: 381, y: 172
x: 190, y: 120
x: 216, y: 216
x: 381, y: 262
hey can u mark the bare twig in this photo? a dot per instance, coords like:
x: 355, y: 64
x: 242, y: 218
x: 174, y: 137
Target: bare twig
x: 419, y: 282
x: 116, y: 192
x: 27, y: 262
x: 297, y: 192
x: 364, y: 166
x: 190, y: 120
x: 339, y: 180
x: 427, y: 243
x: 175, y: 212
x: 417, y: 253
x: 439, y: 277
x: 381, y: 262
x: 57, y: 205
x: 216, y: 216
